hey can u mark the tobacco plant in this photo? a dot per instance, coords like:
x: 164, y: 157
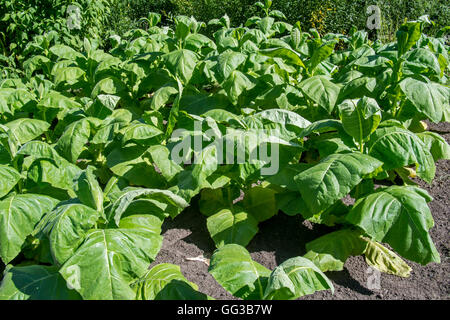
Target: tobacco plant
x: 87, y: 178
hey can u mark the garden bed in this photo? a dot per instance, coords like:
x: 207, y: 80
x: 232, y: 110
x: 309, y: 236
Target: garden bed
x: 284, y: 237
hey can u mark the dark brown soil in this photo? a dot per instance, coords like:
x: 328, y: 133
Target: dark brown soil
x: 284, y: 237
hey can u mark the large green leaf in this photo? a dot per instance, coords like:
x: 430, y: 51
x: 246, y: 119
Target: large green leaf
x: 321, y: 53
x: 9, y: 178
x: 161, y: 157
x: 181, y: 63
x: 55, y: 100
x: 330, y: 251
x: 71, y: 75
x: 407, y: 36
x: 103, y: 106
x: 232, y: 226
x: 64, y: 52
x: 233, y: 268
x: 47, y: 166
x: 295, y: 278
x: 260, y: 203
x: 88, y: 189
x: 321, y: 91
x: 39, y: 149
x: 174, y: 204
x: 429, y: 98
x: 436, y: 144
x: 66, y: 227
x: 287, y: 54
x: 287, y: 120
x: 360, y: 117
x: 162, y: 95
x: 141, y: 133
x: 193, y: 179
x: 236, y: 84
x: 58, y: 175
x: 128, y: 163
x: 109, y: 260
x: 18, y: 216
x: 212, y: 201
x: 25, y: 129
x: 166, y: 282
x: 421, y: 60
x: 400, y: 217
x: 110, y: 86
x: 71, y: 143
x: 398, y: 147
x: 35, y: 282
x: 227, y: 62
x: 333, y: 178
x: 12, y: 100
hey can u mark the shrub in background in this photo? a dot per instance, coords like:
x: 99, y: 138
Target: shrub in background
x: 324, y: 15
x: 21, y: 20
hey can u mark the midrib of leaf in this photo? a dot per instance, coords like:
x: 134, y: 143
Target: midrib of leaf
x: 409, y: 215
x: 261, y: 294
x: 296, y: 269
x: 107, y: 261
x: 360, y: 124
x: 8, y: 222
x: 327, y: 169
x: 397, y: 216
x: 389, y: 134
x: 159, y: 281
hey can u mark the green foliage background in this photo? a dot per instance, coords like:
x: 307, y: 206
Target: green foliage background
x: 325, y: 15
x: 21, y: 20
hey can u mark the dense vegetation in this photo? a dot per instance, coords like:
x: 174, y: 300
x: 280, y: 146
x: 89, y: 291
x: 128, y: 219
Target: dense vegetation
x: 86, y: 135
x: 324, y: 15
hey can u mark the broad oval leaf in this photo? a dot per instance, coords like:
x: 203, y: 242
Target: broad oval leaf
x: 233, y: 268
x: 141, y: 133
x: 436, y: 144
x: 429, y: 98
x: 109, y: 260
x: 175, y: 204
x: 289, y: 55
x: 333, y: 178
x: 35, y: 282
x: 260, y: 203
x: 227, y: 226
x: 181, y: 63
x: 321, y: 91
x: 66, y: 227
x: 25, y: 129
x: 71, y: 75
x: 227, y: 62
x: 19, y: 214
x: 400, y: 217
x: 360, y: 117
x: 64, y: 52
x: 421, y: 60
x: 71, y: 143
x: 9, y: 178
x: 166, y: 282
x: 236, y: 84
x: 88, y: 189
x: 330, y: 251
x: 295, y: 278
x: 398, y: 147
x: 109, y: 86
